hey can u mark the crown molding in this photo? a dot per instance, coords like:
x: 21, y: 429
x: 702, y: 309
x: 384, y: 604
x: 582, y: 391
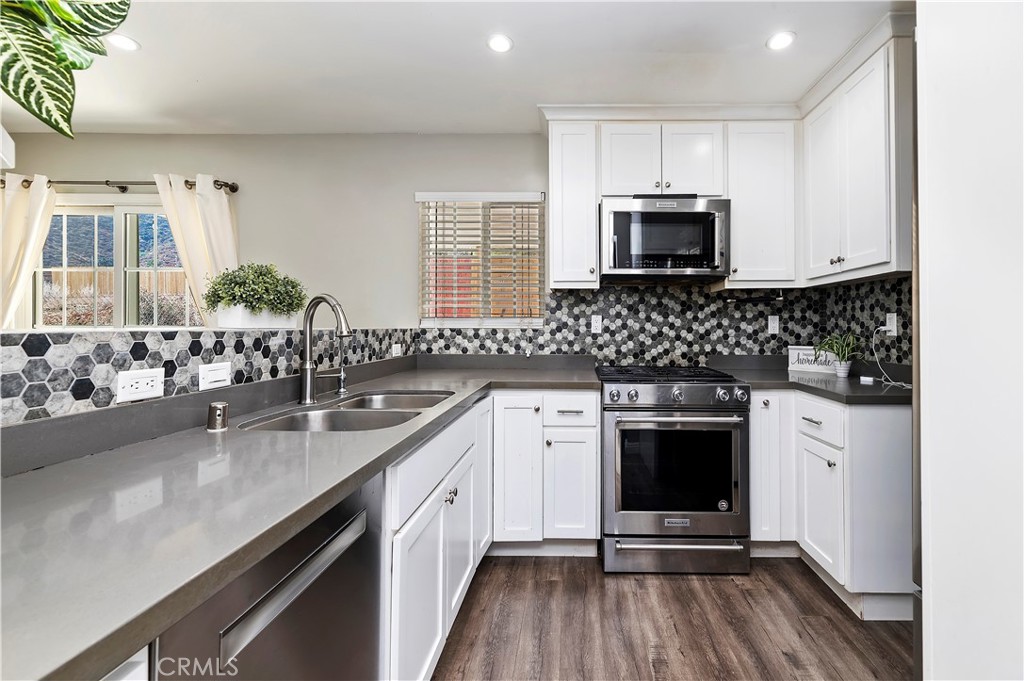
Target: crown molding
x: 667, y: 112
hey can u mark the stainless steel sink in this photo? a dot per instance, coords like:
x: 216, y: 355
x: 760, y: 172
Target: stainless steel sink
x: 396, y: 400
x: 331, y: 419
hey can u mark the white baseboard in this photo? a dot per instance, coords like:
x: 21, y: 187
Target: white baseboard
x: 549, y: 547
x: 774, y: 549
x: 868, y: 607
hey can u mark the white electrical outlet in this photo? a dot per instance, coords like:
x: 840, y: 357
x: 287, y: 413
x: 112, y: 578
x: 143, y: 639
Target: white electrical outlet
x: 596, y: 323
x: 892, y: 324
x: 140, y: 384
x: 396, y: 350
x: 131, y: 501
x: 214, y: 375
x: 773, y: 323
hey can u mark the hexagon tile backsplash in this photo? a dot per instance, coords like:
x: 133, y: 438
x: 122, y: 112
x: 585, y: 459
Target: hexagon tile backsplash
x: 51, y: 374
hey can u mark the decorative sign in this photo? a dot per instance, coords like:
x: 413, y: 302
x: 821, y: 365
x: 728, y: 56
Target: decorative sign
x: 801, y: 358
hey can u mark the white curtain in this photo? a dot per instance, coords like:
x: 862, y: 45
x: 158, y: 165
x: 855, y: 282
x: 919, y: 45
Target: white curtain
x: 203, y: 226
x: 25, y: 218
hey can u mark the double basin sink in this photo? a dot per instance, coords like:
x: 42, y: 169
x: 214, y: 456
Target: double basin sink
x: 367, y: 411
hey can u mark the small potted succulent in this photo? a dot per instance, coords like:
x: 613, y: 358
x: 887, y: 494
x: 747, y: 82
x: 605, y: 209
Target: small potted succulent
x: 255, y: 296
x: 842, y: 346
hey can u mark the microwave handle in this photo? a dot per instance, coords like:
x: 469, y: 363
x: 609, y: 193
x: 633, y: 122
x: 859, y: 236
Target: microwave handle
x: 615, y: 249
x: 719, y: 246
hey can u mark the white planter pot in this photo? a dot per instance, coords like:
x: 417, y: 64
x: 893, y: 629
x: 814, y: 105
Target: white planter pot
x: 237, y: 317
x: 842, y: 369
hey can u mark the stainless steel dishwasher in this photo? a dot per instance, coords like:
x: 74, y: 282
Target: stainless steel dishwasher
x: 309, y: 610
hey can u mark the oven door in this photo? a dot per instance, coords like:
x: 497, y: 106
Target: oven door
x: 675, y: 473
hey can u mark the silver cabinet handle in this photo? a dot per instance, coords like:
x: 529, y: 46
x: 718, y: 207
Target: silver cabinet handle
x: 832, y: 261
x: 536, y: 408
x: 619, y: 546
x: 810, y: 420
x: 260, y: 614
x: 592, y: 270
x: 570, y: 411
x: 735, y: 270
x: 667, y: 185
x: 680, y: 419
x: 831, y: 463
x: 766, y: 403
x: 547, y: 442
x: 840, y: 259
x: 657, y: 184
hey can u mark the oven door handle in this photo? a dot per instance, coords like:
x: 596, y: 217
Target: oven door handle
x: 680, y: 419
x: 619, y: 546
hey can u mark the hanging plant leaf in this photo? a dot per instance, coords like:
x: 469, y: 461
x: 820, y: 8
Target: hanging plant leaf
x: 91, y: 44
x: 69, y: 49
x: 33, y: 74
x: 93, y: 19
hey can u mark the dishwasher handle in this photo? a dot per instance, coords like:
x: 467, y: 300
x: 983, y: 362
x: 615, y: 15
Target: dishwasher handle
x: 260, y: 614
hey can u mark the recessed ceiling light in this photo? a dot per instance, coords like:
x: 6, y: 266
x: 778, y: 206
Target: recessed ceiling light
x: 499, y: 43
x: 122, y: 42
x: 781, y: 41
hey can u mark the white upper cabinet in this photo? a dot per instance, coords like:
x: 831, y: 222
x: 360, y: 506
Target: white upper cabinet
x: 693, y: 159
x: 655, y: 158
x: 572, y: 205
x: 630, y: 159
x: 762, y: 201
x: 858, y: 172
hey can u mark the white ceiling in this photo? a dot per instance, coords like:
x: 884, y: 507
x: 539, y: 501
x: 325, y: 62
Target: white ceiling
x: 423, y: 67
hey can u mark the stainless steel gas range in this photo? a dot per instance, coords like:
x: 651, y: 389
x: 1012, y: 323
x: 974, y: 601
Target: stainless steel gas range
x: 674, y: 470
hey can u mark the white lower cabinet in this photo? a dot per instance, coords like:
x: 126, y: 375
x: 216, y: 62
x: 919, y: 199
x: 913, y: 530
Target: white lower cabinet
x: 459, y: 538
x: 821, y: 514
x: 518, y: 467
x: 772, y: 467
x: 570, y: 483
x: 483, y: 477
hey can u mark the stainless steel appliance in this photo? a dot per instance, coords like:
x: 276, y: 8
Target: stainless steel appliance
x: 309, y: 610
x: 674, y: 470
x: 664, y: 236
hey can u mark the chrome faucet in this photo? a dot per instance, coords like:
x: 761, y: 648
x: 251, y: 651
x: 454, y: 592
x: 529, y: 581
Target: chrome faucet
x: 307, y: 369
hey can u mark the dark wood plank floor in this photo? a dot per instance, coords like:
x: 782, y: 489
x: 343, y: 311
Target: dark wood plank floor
x: 563, y: 618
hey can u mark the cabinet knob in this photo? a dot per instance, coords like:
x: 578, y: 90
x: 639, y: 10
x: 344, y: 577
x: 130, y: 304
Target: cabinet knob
x: 767, y: 403
x: 840, y: 259
x: 536, y: 408
x: 667, y: 185
x: 735, y: 270
x: 657, y: 184
x: 592, y: 270
x: 831, y: 463
x: 547, y: 442
x: 455, y: 492
x: 832, y: 261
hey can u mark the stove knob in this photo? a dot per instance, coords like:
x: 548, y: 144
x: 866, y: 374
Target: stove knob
x: 614, y: 395
x: 677, y: 395
x: 740, y: 395
x: 633, y: 395
x: 722, y: 395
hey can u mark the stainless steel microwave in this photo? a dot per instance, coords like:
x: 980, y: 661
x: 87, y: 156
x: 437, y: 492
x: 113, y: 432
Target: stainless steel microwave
x: 664, y: 236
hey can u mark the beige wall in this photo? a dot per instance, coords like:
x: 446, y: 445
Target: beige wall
x: 336, y: 211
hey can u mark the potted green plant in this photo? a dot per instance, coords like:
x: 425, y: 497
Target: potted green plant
x: 843, y: 347
x: 255, y: 296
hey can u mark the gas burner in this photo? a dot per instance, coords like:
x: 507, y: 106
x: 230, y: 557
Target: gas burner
x: 654, y: 374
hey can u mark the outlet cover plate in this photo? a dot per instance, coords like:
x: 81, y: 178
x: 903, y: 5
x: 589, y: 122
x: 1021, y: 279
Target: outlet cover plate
x: 596, y: 323
x: 396, y: 350
x: 892, y: 324
x: 773, y: 323
x: 140, y: 384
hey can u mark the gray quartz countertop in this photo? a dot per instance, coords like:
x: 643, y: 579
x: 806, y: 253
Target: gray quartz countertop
x: 101, y: 554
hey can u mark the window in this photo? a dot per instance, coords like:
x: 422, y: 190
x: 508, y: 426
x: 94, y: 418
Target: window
x: 111, y: 265
x: 481, y: 259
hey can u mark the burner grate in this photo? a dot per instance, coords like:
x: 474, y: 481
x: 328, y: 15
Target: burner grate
x: 656, y: 374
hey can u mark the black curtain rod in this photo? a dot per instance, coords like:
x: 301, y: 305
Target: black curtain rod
x: 122, y: 185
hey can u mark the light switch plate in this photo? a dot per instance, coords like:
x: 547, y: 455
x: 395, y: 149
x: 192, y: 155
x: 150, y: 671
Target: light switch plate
x: 214, y: 375
x: 596, y: 323
x: 396, y: 350
x: 773, y: 323
x: 140, y: 384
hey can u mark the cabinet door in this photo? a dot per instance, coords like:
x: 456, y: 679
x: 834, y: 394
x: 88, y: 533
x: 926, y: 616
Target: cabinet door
x: 693, y: 159
x: 483, y: 498
x: 865, y: 229
x: 417, y: 591
x: 570, y: 483
x: 765, y: 468
x: 821, y: 519
x: 630, y: 159
x: 825, y: 203
x: 518, y: 468
x: 459, y: 540
x: 572, y: 205
x: 762, y: 201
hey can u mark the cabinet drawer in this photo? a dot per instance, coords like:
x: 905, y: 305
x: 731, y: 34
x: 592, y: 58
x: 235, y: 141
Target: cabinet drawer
x: 821, y: 420
x: 412, y: 479
x: 570, y: 409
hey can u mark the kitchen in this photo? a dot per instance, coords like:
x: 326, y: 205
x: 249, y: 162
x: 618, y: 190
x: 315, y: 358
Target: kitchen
x: 122, y: 539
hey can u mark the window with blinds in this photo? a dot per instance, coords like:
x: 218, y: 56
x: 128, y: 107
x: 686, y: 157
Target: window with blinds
x: 481, y: 258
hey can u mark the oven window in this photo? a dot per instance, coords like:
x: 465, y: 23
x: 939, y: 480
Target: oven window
x: 676, y: 471
x: 663, y: 240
